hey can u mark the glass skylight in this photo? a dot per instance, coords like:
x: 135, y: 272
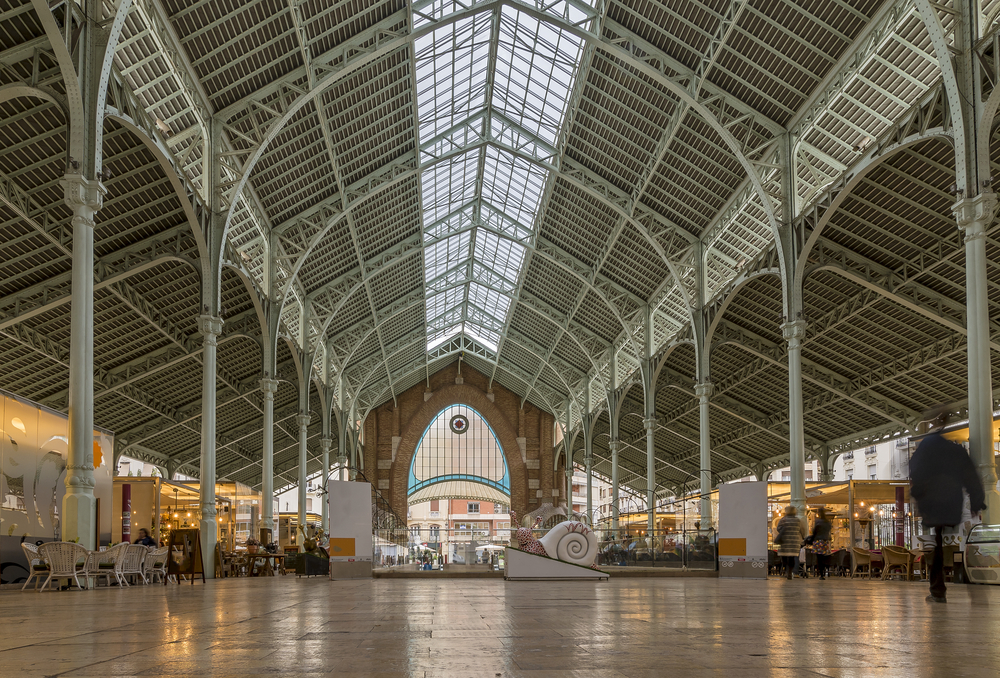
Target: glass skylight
x: 480, y: 199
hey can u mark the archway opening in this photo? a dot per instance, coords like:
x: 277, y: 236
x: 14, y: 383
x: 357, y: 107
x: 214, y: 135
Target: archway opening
x: 458, y: 492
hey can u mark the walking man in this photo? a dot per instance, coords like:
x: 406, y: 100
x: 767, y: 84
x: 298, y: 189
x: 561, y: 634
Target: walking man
x: 939, y: 471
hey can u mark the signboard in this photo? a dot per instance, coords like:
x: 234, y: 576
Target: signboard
x: 351, y: 549
x: 185, y: 554
x: 743, y: 530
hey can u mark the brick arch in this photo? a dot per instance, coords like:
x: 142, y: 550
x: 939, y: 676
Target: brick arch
x: 471, y: 396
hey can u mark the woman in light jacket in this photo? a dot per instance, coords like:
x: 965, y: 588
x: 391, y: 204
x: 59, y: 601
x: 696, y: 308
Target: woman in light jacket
x: 791, y: 533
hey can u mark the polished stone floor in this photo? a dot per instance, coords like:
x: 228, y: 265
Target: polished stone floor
x: 639, y: 628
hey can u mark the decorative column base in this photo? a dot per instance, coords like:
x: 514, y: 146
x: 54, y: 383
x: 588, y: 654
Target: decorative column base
x: 79, y: 511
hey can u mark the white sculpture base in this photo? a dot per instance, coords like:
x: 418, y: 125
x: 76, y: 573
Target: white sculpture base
x: 519, y: 565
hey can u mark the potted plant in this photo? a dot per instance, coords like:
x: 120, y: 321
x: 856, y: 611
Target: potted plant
x: 252, y: 545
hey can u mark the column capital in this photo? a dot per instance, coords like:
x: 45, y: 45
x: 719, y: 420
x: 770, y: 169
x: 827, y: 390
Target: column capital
x: 79, y: 191
x: 269, y: 387
x: 649, y: 423
x: 325, y: 444
x: 302, y: 420
x: 210, y: 326
x: 614, y: 445
x: 704, y: 389
x: 342, y: 460
x: 974, y: 214
x: 794, y: 330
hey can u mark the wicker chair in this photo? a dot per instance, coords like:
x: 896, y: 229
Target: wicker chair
x: 62, y: 558
x: 155, y: 564
x: 37, y: 568
x: 898, y: 557
x: 105, y: 564
x: 132, y: 563
x: 862, y: 558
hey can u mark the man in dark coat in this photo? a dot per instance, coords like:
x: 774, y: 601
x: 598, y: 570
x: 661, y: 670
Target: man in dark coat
x: 939, y: 470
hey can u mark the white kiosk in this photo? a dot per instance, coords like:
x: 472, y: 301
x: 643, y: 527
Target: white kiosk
x: 743, y: 530
x: 350, y: 530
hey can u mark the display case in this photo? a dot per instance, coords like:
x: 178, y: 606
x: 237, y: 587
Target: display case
x: 982, y: 554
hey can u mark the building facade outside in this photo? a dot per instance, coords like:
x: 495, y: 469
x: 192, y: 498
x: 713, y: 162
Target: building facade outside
x: 448, y: 527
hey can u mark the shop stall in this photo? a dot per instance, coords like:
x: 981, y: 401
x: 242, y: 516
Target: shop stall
x: 34, y: 447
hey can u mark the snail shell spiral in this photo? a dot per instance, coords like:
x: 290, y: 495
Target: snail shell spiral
x: 572, y: 542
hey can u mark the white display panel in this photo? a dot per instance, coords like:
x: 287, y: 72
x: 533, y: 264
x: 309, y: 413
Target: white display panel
x: 350, y: 518
x: 743, y: 530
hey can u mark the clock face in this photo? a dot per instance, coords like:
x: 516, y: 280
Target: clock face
x: 459, y: 424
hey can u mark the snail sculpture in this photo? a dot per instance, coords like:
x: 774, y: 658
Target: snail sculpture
x: 569, y: 541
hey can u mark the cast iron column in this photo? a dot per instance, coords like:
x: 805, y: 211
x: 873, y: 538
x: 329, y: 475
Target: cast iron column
x: 650, y: 424
x: 324, y: 446
x: 303, y: 422
x: 269, y: 387
x: 794, y: 332
x: 704, y: 392
x: 973, y: 216
x: 210, y: 328
x: 588, y: 460
x: 613, y: 445
x: 79, y: 508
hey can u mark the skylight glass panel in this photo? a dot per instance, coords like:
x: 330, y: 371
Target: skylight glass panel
x: 445, y: 254
x: 458, y: 221
x: 513, y: 185
x: 480, y: 206
x: 451, y: 73
x: 435, y: 339
x: 496, y: 221
x: 438, y: 304
x: 455, y: 276
x: 487, y: 338
x: 489, y: 300
x: 498, y: 254
x: 490, y: 278
x: 536, y: 64
x: 449, y: 186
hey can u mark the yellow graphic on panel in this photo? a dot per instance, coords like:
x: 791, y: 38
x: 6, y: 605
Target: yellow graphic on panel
x: 733, y: 546
x: 341, y: 546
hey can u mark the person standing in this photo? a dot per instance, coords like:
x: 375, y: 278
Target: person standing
x: 939, y: 472
x: 791, y: 532
x: 821, y: 542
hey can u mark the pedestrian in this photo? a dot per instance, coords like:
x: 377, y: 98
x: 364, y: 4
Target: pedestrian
x: 821, y: 542
x: 939, y: 472
x: 791, y: 532
x: 144, y: 538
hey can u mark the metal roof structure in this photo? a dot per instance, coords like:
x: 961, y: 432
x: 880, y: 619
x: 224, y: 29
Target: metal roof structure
x: 569, y: 193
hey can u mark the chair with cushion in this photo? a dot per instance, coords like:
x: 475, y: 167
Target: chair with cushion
x: 862, y: 559
x: 37, y: 568
x: 62, y: 558
x: 896, y: 557
x: 103, y: 564
x: 155, y: 564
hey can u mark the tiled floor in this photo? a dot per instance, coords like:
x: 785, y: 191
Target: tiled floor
x: 639, y: 628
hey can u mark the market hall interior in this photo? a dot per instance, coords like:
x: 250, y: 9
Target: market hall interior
x: 656, y: 246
